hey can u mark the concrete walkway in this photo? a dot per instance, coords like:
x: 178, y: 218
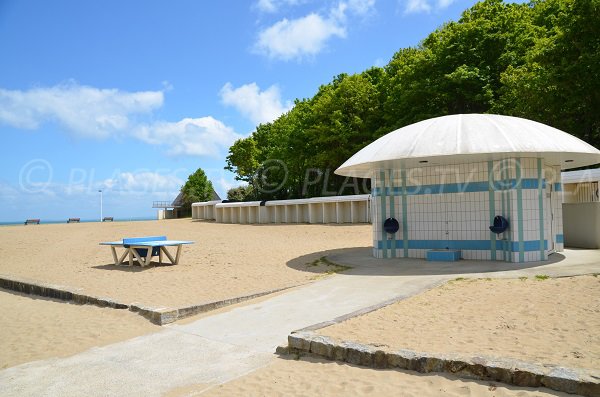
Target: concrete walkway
x: 218, y: 348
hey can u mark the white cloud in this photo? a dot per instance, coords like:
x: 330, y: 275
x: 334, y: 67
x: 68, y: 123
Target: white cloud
x: 7, y: 192
x: 361, y: 7
x: 307, y: 36
x: 425, y: 6
x: 143, y: 182
x: 297, y: 38
x: 416, y: 6
x: 444, y: 3
x: 100, y: 113
x: 190, y: 136
x: 224, y: 185
x: 83, y: 110
x: 259, y: 107
x: 274, y: 5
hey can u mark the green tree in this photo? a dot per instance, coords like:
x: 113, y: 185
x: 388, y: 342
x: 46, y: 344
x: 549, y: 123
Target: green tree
x: 241, y: 193
x: 559, y: 82
x: 539, y: 60
x: 243, y: 159
x: 197, y: 188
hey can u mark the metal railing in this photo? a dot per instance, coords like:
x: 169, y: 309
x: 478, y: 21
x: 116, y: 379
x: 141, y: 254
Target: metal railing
x: 163, y: 204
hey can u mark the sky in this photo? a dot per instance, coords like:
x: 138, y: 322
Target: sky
x: 130, y: 97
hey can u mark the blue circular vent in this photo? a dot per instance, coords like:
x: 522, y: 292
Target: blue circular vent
x: 391, y: 225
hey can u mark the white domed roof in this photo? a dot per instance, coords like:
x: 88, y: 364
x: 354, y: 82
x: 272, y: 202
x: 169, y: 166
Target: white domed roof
x: 462, y: 138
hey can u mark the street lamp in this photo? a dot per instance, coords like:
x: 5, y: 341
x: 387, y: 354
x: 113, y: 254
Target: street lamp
x: 100, y: 191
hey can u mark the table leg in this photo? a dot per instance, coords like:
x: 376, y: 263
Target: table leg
x: 178, y: 254
x: 123, y: 257
x: 137, y: 256
x: 114, y: 254
x: 168, y: 255
x: 130, y: 250
x: 160, y: 256
x: 148, y: 257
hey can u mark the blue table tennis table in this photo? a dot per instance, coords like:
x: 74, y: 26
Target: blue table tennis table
x: 144, y: 248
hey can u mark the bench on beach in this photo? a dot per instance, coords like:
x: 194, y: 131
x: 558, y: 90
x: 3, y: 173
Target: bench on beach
x: 107, y: 219
x: 144, y: 248
x: 72, y: 220
x: 32, y: 222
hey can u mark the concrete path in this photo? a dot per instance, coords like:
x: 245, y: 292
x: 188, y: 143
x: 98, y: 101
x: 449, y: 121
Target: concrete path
x: 218, y: 348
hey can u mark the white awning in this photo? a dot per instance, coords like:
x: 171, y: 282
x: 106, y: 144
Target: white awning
x: 465, y: 138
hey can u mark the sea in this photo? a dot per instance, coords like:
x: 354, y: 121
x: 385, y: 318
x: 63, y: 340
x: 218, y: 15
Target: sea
x: 49, y: 221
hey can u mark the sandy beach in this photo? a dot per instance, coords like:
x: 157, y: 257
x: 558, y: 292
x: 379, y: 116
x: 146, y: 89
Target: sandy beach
x: 315, y: 377
x: 35, y: 329
x: 552, y: 321
x: 225, y: 261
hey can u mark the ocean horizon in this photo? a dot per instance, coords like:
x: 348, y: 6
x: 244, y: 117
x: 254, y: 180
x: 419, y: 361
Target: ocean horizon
x: 55, y: 221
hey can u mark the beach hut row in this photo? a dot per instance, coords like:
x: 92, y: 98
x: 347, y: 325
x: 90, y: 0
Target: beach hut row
x: 335, y: 209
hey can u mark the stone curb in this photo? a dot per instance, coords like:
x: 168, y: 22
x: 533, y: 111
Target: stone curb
x: 166, y: 315
x: 510, y: 371
x: 368, y: 309
x: 158, y: 316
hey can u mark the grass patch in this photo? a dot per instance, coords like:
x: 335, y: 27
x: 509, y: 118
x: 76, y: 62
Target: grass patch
x: 541, y: 277
x: 330, y: 267
x: 523, y: 278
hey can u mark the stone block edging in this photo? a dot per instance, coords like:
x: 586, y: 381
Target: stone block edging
x: 505, y: 370
x: 159, y: 316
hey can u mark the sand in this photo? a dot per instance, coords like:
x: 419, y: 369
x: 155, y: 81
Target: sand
x: 226, y: 260
x: 35, y: 329
x: 553, y: 321
x: 314, y: 377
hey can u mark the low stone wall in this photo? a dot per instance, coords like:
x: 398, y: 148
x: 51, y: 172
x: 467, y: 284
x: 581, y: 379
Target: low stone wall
x: 515, y: 372
x: 159, y: 316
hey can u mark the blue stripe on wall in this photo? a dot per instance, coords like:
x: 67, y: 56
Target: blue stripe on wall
x: 383, y: 217
x: 478, y: 245
x: 392, y: 209
x: 520, y: 211
x: 404, y: 215
x: 541, y: 209
x: 466, y: 187
x: 492, y: 206
x: 560, y: 239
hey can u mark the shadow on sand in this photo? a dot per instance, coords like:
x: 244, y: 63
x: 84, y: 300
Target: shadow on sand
x: 130, y: 269
x: 363, y: 263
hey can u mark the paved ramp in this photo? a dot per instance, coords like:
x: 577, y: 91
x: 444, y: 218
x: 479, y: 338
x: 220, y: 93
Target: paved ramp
x: 212, y: 350
x: 218, y: 348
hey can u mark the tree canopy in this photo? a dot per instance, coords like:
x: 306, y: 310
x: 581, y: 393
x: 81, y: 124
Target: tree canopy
x: 197, y: 188
x: 537, y: 60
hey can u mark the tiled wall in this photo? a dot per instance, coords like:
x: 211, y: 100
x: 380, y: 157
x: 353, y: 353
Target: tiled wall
x: 452, y: 207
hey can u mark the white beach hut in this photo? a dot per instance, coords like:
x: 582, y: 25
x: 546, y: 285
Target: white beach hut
x: 438, y: 186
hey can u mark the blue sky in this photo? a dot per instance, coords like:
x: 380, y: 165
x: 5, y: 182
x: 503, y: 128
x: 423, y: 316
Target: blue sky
x: 133, y: 96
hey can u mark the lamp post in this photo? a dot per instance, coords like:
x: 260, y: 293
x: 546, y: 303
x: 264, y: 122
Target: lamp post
x: 100, y: 191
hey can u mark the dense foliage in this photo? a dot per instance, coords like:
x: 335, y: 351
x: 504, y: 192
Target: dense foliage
x: 197, y: 188
x: 539, y: 60
x: 240, y: 193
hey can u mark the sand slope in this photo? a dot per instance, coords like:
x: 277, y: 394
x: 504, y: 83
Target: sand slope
x: 313, y: 377
x: 226, y: 260
x: 553, y: 321
x: 35, y: 329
